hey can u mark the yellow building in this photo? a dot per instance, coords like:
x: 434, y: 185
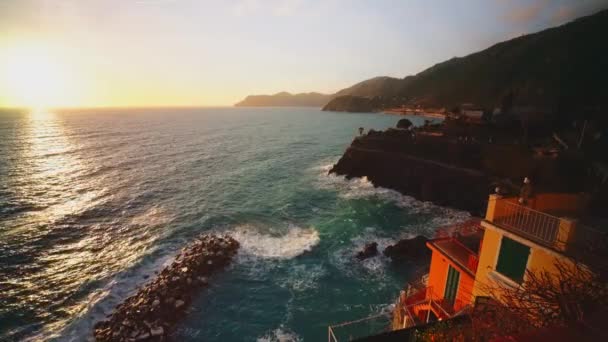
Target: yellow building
x: 513, y: 240
x: 521, y: 239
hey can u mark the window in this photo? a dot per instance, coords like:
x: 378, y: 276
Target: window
x: 451, y: 285
x: 512, y: 259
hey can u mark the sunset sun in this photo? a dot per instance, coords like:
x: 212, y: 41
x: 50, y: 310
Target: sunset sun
x: 35, y: 78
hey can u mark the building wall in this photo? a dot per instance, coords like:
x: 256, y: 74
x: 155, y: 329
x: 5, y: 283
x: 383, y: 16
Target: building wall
x: 540, y: 259
x: 487, y: 261
x: 438, y: 276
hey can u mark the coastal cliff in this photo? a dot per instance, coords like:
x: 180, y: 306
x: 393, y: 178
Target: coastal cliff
x: 441, y: 165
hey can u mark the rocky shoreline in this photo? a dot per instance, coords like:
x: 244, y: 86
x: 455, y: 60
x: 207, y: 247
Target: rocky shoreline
x: 456, y: 164
x: 153, y: 312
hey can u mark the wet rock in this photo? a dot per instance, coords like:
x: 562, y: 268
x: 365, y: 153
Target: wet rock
x: 412, y: 250
x: 157, y: 331
x: 179, y: 303
x: 370, y: 250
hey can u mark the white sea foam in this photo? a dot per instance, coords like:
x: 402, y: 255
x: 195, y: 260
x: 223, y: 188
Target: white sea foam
x: 280, y: 334
x: 302, y: 278
x: 267, y: 245
x: 102, y: 302
x: 154, y: 216
x: 357, y: 188
x: 344, y: 257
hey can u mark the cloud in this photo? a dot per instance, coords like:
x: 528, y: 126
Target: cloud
x: 245, y: 7
x: 527, y: 13
x: 279, y: 8
x: 287, y: 7
x: 568, y: 12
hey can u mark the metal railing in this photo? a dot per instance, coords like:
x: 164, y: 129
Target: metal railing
x: 348, y: 331
x: 425, y: 299
x: 530, y: 223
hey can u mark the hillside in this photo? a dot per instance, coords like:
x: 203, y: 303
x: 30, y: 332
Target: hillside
x: 377, y: 86
x: 285, y: 99
x: 558, y: 69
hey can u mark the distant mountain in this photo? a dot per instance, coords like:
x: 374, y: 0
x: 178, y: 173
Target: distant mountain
x: 285, y: 99
x: 559, y: 69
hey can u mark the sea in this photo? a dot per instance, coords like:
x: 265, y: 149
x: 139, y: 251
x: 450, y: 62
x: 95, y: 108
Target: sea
x: 94, y: 201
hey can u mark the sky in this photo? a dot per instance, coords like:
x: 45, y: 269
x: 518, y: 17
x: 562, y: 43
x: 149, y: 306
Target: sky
x: 114, y: 53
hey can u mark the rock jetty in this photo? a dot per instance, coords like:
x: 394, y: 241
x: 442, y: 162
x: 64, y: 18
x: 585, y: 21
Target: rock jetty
x: 152, y: 313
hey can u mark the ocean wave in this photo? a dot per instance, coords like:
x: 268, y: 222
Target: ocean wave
x: 101, y: 302
x: 280, y: 334
x: 153, y: 216
x: 255, y: 243
x: 344, y: 258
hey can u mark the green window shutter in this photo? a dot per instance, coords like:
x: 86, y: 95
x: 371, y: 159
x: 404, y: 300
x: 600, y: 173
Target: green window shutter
x: 451, y: 284
x: 512, y: 259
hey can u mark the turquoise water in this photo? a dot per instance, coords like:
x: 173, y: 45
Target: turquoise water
x: 94, y: 201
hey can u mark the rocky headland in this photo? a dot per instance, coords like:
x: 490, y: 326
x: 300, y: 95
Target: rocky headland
x: 458, y: 164
x: 152, y: 313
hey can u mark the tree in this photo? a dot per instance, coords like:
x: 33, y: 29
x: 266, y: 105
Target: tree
x: 563, y: 298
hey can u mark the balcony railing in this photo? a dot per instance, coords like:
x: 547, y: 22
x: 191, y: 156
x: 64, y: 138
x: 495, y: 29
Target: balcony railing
x: 563, y: 234
x: 530, y: 223
x: 415, y: 308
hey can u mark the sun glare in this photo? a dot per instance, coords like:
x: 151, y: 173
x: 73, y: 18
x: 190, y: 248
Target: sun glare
x: 34, y: 77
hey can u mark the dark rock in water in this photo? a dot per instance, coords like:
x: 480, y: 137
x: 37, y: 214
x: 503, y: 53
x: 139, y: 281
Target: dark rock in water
x: 414, y: 250
x: 152, y: 313
x: 370, y: 250
x: 404, y: 123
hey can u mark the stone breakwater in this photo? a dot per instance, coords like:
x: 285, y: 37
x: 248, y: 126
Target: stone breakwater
x: 152, y: 313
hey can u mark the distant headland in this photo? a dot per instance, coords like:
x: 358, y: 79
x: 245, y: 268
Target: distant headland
x: 285, y: 99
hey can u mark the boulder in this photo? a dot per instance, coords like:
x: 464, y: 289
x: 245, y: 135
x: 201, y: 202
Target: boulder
x: 412, y: 250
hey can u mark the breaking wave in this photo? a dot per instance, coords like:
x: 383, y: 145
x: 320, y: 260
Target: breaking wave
x: 295, y: 242
x: 344, y: 258
x: 357, y: 188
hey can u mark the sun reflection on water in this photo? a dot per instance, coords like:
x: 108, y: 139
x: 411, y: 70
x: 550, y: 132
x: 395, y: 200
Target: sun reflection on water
x: 66, y: 245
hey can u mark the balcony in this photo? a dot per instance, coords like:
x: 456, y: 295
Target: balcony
x: 550, y: 220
